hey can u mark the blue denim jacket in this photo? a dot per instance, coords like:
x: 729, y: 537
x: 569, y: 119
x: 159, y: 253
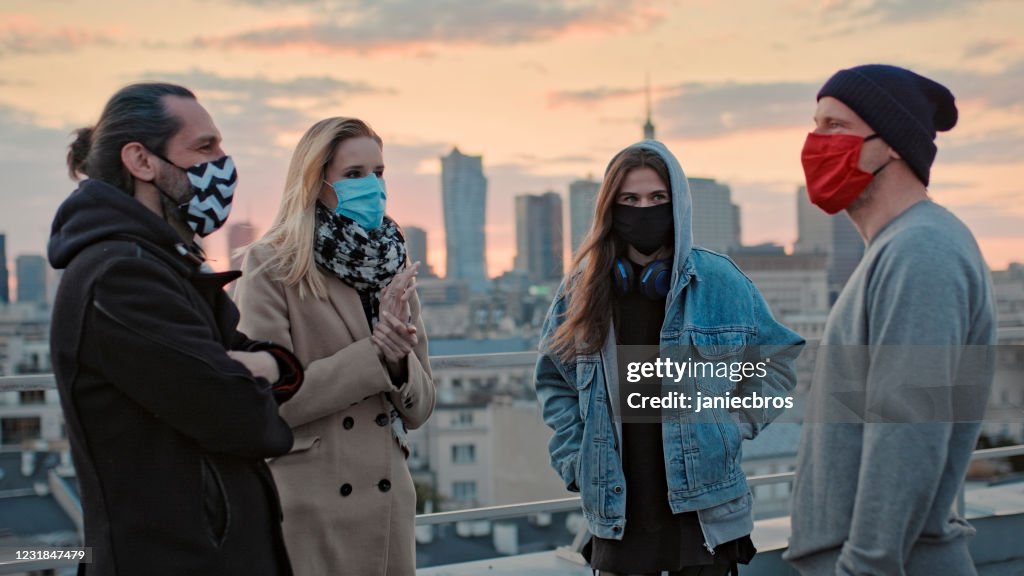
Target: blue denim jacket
x: 713, y: 309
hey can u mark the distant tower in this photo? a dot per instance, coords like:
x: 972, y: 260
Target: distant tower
x: 716, y: 220
x: 31, y: 274
x: 582, y: 199
x: 240, y: 235
x: 539, y: 236
x: 4, y: 294
x: 464, y: 198
x: 648, y: 126
x: 847, y: 250
x: 814, y: 227
x: 416, y: 245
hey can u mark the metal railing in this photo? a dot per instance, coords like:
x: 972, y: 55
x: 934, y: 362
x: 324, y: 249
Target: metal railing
x: 30, y: 383
x: 491, y: 513
x: 570, y: 504
x: 497, y: 360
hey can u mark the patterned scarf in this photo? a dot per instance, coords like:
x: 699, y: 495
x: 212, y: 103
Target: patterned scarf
x: 366, y: 261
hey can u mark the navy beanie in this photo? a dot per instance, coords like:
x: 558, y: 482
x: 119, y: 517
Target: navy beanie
x: 905, y: 109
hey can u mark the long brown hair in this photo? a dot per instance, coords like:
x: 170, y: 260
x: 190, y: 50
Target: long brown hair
x: 588, y: 285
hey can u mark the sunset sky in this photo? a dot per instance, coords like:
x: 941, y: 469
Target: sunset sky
x: 545, y: 90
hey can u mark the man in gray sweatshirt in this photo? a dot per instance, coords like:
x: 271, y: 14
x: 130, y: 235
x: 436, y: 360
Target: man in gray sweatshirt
x: 903, y: 372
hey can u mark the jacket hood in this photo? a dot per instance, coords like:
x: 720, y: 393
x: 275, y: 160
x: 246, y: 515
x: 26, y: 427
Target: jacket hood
x: 97, y: 211
x: 683, y: 211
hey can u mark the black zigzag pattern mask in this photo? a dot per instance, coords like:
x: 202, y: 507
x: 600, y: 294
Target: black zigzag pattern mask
x: 213, y: 187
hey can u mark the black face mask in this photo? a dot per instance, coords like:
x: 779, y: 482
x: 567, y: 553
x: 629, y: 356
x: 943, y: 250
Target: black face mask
x: 645, y: 229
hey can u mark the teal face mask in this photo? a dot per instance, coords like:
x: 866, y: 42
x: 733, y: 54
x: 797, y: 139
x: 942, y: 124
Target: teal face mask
x: 361, y: 200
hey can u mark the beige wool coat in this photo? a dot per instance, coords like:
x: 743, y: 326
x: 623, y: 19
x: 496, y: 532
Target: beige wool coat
x: 349, y: 501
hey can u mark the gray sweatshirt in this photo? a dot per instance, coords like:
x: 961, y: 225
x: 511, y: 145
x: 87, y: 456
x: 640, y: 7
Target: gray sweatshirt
x: 886, y: 441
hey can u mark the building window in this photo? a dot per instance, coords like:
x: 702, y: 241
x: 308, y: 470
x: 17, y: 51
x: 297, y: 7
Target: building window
x: 463, y: 453
x: 17, y: 430
x: 32, y: 396
x: 465, y: 490
x: 462, y: 418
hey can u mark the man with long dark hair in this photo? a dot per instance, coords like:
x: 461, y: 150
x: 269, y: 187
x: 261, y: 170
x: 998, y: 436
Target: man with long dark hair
x: 170, y: 410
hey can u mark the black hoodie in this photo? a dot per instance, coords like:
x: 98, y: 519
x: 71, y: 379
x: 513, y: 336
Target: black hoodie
x: 167, y: 432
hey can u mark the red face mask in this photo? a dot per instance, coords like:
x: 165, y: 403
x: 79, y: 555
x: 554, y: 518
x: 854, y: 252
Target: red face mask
x: 834, y: 180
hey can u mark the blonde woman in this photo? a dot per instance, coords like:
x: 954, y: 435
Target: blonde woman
x: 329, y: 280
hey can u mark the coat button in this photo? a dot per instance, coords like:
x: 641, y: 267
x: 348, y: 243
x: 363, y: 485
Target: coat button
x: 382, y: 419
x: 348, y: 423
x: 384, y: 485
x: 616, y: 529
x: 617, y: 489
x: 346, y: 489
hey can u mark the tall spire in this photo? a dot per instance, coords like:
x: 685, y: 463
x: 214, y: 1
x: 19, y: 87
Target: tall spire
x: 648, y: 126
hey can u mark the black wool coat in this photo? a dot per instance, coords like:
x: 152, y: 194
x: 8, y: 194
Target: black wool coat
x: 168, y: 433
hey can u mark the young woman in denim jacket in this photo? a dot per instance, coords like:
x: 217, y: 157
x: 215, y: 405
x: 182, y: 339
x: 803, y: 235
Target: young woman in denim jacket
x: 666, y: 495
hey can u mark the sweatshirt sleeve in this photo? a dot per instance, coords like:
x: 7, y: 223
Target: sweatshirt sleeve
x: 918, y: 308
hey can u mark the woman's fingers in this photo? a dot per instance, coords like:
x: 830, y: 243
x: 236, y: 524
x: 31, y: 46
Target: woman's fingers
x: 393, y: 351
x: 407, y: 293
x: 389, y: 349
x: 399, y: 339
x: 391, y: 321
x: 377, y: 349
x: 396, y: 332
x: 395, y: 296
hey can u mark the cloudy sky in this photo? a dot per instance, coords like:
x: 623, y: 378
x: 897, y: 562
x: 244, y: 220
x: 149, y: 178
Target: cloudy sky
x: 545, y: 90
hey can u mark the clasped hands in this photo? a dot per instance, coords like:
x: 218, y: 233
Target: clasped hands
x: 394, y: 336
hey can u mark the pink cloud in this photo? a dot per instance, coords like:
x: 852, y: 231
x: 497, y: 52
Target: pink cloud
x: 382, y: 27
x: 23, y: 34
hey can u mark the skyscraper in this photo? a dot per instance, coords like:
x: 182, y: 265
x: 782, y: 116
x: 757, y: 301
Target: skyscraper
x: 539, y: 243
x: 716, y: 220
x: 835, y: 236
x: 31, y: 270
x: 416, y: 245
x: 240, y: 235
x: 5, y: 295
x: 582, y: 199
x: 847, y: 250
x: 464, y: 199
x: 814, y: 227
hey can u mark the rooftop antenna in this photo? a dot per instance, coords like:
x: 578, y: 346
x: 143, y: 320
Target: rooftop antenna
x: 648, y: 126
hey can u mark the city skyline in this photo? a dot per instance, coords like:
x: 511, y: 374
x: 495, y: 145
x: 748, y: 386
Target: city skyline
x: 546, y: 93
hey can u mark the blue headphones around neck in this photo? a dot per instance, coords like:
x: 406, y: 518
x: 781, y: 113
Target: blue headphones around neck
x: 654, y: 282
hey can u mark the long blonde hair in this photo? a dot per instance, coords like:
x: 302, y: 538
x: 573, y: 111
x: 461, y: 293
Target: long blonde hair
x: 292, y: 234
x: 589, y: 286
